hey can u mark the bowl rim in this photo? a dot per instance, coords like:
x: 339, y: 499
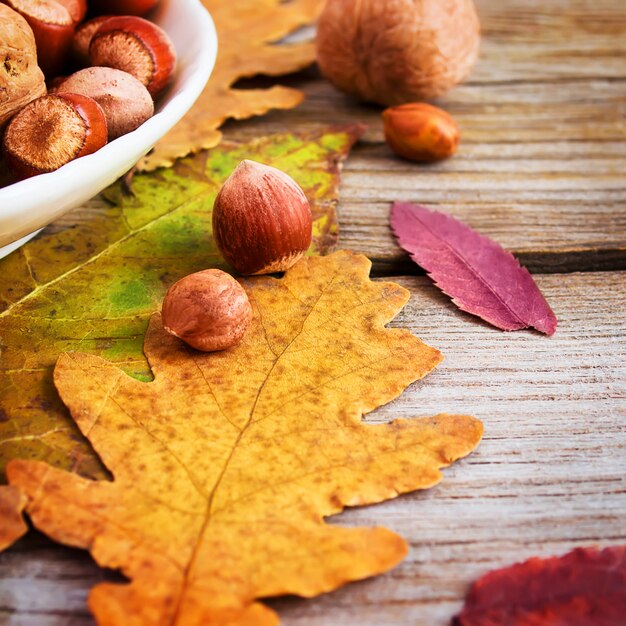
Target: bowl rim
x: 22, y: 197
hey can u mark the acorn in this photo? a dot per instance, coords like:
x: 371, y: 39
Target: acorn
x: 262, y: 220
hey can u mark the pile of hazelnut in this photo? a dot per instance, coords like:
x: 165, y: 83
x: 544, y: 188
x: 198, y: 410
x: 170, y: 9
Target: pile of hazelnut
x: 126, y: 63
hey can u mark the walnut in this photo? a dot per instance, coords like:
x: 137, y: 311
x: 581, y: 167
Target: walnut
x: 21, y: 80
x: 395, y: 51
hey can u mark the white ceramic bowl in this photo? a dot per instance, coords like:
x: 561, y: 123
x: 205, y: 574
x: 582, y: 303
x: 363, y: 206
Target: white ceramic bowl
x: 31, y: 204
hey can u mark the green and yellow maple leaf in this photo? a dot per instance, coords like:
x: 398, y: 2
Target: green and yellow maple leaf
x: 225, y: 465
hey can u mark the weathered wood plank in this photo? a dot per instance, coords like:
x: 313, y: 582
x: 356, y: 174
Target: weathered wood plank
x: 541, y: 166
x: 559, y: 206
x: 550, y: 213
x: 541, y: 169
x: 549, y: 475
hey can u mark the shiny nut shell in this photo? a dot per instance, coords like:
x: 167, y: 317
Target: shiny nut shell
x: 421, y: 132
x: 262, y: 220
x: 21, y: 80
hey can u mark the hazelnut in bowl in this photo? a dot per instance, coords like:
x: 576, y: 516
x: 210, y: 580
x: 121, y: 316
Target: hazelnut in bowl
x: 34, y: 202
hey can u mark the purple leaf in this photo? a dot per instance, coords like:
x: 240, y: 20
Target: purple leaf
x: 477, y: 273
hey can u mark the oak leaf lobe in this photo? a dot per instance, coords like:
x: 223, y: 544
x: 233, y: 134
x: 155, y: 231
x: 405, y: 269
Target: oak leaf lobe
x: 226, y: 464
x: 248, y: 32
x: 12, y: 503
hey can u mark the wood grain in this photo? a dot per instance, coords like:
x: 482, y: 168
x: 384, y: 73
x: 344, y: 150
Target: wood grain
x: 543, y: 155
x: 541, y: 170
x: 549, y: 475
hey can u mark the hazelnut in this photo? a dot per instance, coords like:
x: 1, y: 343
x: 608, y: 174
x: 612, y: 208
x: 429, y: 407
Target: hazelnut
x: 262, y: 220
x: 208, y: 310
x: 122, y: 7
x: 395, y: 52
x: 76, y: 8
x: 82, y: 38
x: 421, y: 132
x: 136, y: 46
x: 52, y: 131
x: 125, y: 101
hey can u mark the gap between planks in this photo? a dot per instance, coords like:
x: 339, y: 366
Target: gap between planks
x: 548, y: 476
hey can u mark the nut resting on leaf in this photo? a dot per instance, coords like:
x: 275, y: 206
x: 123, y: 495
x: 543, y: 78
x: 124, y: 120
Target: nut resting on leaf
x: 21, y: 80
x: 208, y: 310
x: 421, y: 132
x: 400, y: 51
x: 262, y: 220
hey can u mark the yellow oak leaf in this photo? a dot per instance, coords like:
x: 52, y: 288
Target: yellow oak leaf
x: 247, y: 31
x: 12, y: 503
x: 225, y: 465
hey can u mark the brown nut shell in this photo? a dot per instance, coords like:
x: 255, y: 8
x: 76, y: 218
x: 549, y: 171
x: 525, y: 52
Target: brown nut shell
x: 21, y: 80
x: 82, y: 39
x: 136, y: 46
x: 262, y: 220
x: 208, y: 310
x: 52, y: 23
x: 52, y: 131
x: 122, y: 7
x: 125, y: 101
x: 395, y: 52
x: 421, y: 132
x: 76, y: 8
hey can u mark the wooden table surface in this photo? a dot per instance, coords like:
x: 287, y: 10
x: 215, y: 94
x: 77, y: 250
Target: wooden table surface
x: 541, y: 170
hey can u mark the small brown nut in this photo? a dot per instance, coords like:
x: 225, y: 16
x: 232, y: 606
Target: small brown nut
x: 421, y: 132
x: 262, y: 220
x: 208, y: 310
x: 125, y: 101
x: 82, y: 39
x: 122, y: 7
x: 52, y: 23
x: 52, y: 131
x: 137, y: 46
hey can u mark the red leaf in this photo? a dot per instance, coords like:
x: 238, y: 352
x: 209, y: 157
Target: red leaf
x: 586, y: 587
x: 477, y: 273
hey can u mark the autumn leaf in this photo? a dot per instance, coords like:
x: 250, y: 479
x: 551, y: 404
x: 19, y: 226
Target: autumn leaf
x: 477, y: 273
x: 226, y: 464
x: 92, y: 287
x: 248, y: 32
x: 586, y: 587
x: 12, y: 526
